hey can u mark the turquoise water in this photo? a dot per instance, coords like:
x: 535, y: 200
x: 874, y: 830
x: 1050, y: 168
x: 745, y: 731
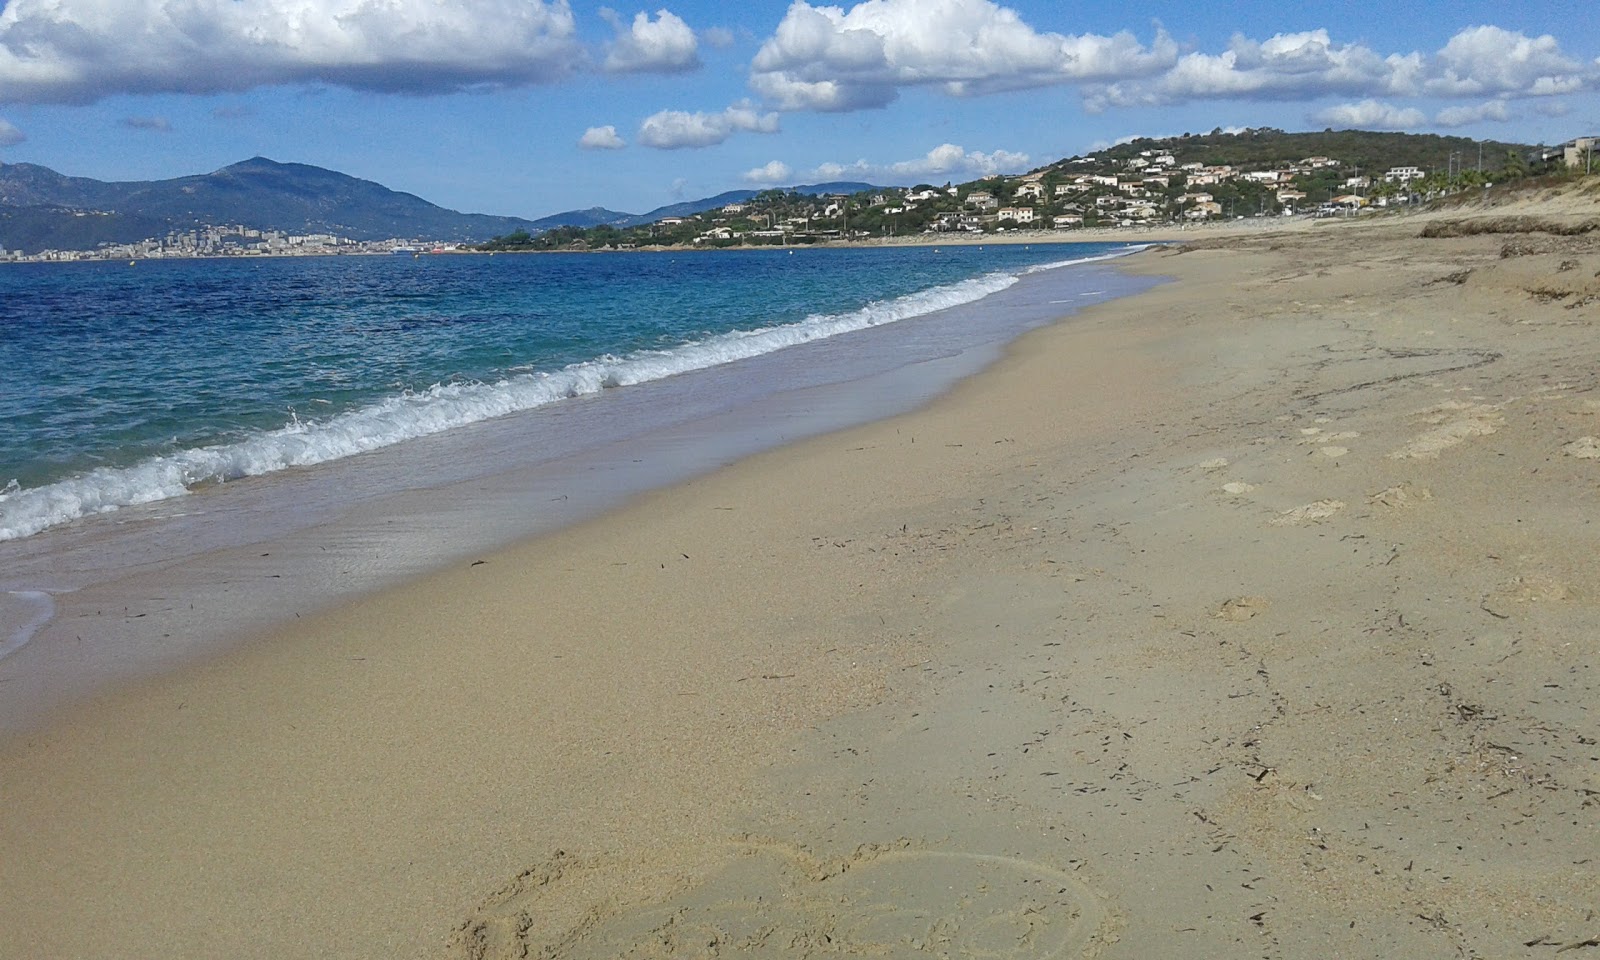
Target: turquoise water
x: 133, y: 384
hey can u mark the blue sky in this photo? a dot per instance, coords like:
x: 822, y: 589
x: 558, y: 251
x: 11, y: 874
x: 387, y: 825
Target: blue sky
x: 529, y: 107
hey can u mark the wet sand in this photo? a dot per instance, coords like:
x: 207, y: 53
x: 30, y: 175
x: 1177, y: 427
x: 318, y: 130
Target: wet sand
x: 1252, y: 615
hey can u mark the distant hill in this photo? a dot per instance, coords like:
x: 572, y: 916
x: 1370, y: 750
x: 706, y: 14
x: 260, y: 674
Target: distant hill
x: 592, y: 217
x: 41, y: 208
x: 600, y: 216
x: 1366, y: 149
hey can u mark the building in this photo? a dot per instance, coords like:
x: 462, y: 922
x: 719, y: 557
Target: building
x: 1579, y: 152
x: 1403, y: 174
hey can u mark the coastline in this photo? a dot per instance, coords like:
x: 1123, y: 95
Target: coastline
x: 1251, y: 613
x: 151, y: 587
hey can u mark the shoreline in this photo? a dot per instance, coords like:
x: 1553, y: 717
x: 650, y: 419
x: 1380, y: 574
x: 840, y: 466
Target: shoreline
x: 1177, y: 607
x: 149, y: 588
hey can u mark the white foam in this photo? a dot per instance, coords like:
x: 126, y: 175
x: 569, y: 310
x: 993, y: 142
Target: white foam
x: 24, y: 512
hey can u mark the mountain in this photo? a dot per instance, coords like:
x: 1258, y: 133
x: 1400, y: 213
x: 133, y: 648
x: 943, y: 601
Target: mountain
x: 42, y: 208
x: 600, y: 216
x: 592, y: 217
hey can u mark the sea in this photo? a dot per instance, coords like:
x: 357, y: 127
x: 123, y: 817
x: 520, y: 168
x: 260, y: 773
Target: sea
x: 207, y: 447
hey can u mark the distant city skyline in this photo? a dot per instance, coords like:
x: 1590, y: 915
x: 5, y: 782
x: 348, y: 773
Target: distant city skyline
x: 529, y: 107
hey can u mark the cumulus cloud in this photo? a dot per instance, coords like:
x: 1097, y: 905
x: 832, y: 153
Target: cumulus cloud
x: 827, y: 58
x: 79, y: 51
x: 601, y: 138
x: 663, y: 45
x: 719, y: 37
x: 1489, y: 60
x: 1495, y: 110
x: 153, y: 124
x: 947, y: 159
x: 773, y: 172
x: 1372, y: 115
x: 10, y: 136
x: 675, y: 129
x: 1476, y: 62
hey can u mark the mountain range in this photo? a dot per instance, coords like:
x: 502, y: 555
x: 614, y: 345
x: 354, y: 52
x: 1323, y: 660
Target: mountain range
x: 43, y: 209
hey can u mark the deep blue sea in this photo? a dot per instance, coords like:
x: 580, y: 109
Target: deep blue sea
x: 129, y: 384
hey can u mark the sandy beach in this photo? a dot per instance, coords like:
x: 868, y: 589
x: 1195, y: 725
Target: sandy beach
x: 1250, y: 616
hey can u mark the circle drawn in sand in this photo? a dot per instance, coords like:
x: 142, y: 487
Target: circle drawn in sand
x: 769, y: 900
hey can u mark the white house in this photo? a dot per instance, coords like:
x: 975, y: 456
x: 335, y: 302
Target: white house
x: 1576, y: 153
x: 1017, y: 214
x: 1030, y: 190
x: 1403, y: 174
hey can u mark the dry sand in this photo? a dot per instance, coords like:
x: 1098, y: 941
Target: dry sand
x: 1255, y: 615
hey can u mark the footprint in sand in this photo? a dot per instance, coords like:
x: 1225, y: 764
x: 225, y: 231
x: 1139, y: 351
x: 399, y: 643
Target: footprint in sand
x: 1584, y: 448
x: 1240, y: 609
x: 1454, y: 422
x: 1400, y: 495
x: 1314, y: 512
x: 772, y: 900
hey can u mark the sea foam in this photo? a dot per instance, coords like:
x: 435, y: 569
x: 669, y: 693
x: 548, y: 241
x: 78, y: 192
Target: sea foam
x: 407, y: 416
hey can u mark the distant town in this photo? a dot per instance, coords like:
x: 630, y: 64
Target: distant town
x: 234, y: 240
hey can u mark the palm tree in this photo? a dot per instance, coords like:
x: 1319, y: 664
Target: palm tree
x: 1516, y: 165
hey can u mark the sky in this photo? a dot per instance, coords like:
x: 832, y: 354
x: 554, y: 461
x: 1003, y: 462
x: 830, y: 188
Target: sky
x: 531, y: 107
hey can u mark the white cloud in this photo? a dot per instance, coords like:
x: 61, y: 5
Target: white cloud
x: 10, y: 136
x: 1462, y: 116
x: 826, y: 58
x: 1284, y: 66
x: 945, y: 160
x: 675, y: 129
x: 1476, y: 62
x: 1371, y: 115
x: 949, y: 158
x: 719, y: 37
x: 833, y: 171
x: 774, y: 172
x: 601, y: 138
x: 78, y: 51
x: 1488, y: 60
x: 663, y: 45
x: 153, y: 124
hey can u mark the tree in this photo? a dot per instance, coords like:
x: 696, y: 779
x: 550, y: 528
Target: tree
x: 1516, y: 164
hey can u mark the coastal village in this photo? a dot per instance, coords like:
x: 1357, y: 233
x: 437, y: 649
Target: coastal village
x: 1145, y: 184
x: 232, y: 240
